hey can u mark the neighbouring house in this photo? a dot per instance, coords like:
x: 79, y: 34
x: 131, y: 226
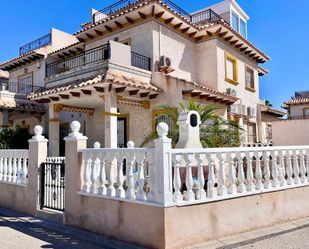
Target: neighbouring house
x: 295, y: 129
x: 135, y: 55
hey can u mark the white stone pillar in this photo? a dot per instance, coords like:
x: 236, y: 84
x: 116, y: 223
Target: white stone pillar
x: 163, y: 148
x: 54, y: 129
x: 110, y: 119
x: 37, y: 155
x: 74, y: 166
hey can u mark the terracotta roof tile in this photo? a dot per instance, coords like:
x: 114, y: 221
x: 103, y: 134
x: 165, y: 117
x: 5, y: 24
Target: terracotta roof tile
x: 108, y: 77
x: 4, y: 75
x: 210, y: 90
x: 20, y: 105
x: 19, y: 57
x: 64, y: 48
x: 298, y: 100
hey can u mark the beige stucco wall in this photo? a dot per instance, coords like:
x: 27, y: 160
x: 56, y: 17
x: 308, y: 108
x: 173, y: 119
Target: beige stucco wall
x: 298, y: 110
x: 290, y: 132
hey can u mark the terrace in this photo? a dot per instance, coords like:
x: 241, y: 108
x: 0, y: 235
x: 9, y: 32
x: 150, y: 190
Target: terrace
x: 204, y: 16
x: 21, y: 88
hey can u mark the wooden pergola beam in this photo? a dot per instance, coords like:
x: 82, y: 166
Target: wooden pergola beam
x: 143, y: 95
x: 167, y: 21
x: 64, y: 96
x: 86, y: 92
x: 185, y: 30
x: 192, y: 34
x: 159, y: 14
x: 134, y: 92
x: 54, y: 98
x: 98, y: 32
x: 99, y: 89
x: 89, y: 36
x: 130, y: 20
x: 75, y: 94
x: 178, y: 25
x: 120, y: 89
x: 118, y: 24
x: 142, y: 15
x: 108, y: 28
x: 223, y: 34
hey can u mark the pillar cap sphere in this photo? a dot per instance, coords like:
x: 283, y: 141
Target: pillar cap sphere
x: 75, y: 126
x: 130, y: 144
x: 162, y: 129
x: 97, y: 145
x: 38, y: 130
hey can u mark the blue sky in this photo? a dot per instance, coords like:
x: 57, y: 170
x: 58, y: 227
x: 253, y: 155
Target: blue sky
x: 277, y: 27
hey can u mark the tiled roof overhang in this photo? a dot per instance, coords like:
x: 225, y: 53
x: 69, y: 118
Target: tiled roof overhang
x: 157, y: 9
x: 262, y: 71
x: 21, y: 60
x: 44, y: 95
x: 285, y: 107
x: 4, y: 75
x: 297, y: 101
x: 68, y: 50
x: 20, y: 105
x: 272, y: 111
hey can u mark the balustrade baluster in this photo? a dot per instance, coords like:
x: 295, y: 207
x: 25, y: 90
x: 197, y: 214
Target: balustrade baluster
x: 289, y: 169
x: 302, y: 167
x: 14, y: 178
x: 111, y: 191
x: 232, y: 188
x: 94, y: 173
x: 152, y: 178
x: 120, y: 191
x: 222, y: 189
x: 130, y: 193
x: 241, y: 188
x: 140, y: 195
x: 19, y: 167
x: 267, y: 183
x: 307, y: 164
x: 58, y: 188
x: 177, y: 197
x: 258, y: 172
x: 201, y: 179
x: 24, y: 180
x: 275, y: 182
x: 189, y: 196
x: 250, y: 186
x: 5, y: 169
x: 1, y: 168
x: 102, y: 187
x: 281, y: 177
x: 296, y: 168
x: 10, y: 168
x: 211, y: 191
x: 87, y: 179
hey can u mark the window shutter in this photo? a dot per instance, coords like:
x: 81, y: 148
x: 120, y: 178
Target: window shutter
x: 230, y: 69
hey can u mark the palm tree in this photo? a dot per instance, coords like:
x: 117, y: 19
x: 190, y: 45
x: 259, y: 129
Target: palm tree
x: 267, y: 102
x: 219, y: 134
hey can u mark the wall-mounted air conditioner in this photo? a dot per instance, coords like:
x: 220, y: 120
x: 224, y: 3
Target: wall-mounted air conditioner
x: 251, y: 112
x: 243, y: 110
x: 232, y: 92
x: 166, y: 64
x: 232, y: 109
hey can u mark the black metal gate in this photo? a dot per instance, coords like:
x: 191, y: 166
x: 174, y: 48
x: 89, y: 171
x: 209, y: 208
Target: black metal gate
x: 53, y: 183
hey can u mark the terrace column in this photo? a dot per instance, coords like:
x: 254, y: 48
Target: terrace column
x: 54, y: 129
x: 4, y: 119
x: 110, y: 118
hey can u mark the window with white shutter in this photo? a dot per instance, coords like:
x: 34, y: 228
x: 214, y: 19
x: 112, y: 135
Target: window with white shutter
x: 231, y: 74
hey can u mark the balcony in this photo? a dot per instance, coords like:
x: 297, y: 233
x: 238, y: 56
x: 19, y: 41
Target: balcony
x: 18, y: 87
x: 94, y: 55
x: 204, y: 16
x: 43, y: 41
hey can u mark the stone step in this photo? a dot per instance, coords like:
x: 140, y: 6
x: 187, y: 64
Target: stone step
x: 51, y: 215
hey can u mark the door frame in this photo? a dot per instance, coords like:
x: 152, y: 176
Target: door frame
x: 127, y: 116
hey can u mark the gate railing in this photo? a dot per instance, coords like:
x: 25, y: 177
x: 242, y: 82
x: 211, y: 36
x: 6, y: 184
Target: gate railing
x: 14, y: 166
x: 53, y: 183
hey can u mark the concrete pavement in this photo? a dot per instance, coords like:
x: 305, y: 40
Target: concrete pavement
x: 20, y: 231
x: 293, y: 234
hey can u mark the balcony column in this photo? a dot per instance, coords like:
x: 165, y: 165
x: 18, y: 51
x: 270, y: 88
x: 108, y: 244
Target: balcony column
x: 54, y: 129
x: 110, y: 118
x: 4, y: 119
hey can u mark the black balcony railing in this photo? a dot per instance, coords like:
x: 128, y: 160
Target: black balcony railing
x: 35, y: 44
x: 140, y: 61
x: 207, y: 15
x: 94, y: 55
x: 18, y: 87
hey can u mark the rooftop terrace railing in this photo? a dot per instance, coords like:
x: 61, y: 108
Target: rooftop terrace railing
x: 207, y: 15
x: 35, y: 44
x: 91, y: 56
x: 21, y: 88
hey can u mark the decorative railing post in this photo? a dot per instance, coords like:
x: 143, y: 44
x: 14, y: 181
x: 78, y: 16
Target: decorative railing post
x: 232, y: 188
x: 201, y: 179
x: 241, y: 188
x: 307, y: 164
x: 222, y: 189
x: 296, y: 167
x: 250, y: 186
x: 140, y: 195
x: 275, y: 182
x: 130, y: 193
x: 111, y: 191
x: 87, y: 172
x: 178, y: 197
x: 189, y: 196
x: 152, y: 178
x: 94, y: 174
x: 163, y: 158
x: 289, y: 170
x: 211, y: 191
x: 1, y: 167
x: 258, y: 172
x: 282, y: 180
x: 267, y: 183
x: 302, y: 155
x: 120, y: 191
x: 102, y: 187
x: 5, y: 168
x: 10, y: 169
x: 14, y: 178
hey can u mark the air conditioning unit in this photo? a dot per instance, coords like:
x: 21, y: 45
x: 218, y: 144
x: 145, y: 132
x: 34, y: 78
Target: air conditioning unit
x: 232, y: 108
x: 268, y: 132
x: 232, y: 92
x: 243, y: 110
x: 166, y: 64
x: 251, y: 112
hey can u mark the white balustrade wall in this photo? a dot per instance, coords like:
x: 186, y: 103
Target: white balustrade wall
x: 14, y: 166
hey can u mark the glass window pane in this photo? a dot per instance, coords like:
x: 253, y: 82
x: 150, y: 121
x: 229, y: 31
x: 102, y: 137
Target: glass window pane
x: 250, y: 78
x: 252, y: 133
x: 230, y: 69
x: 235, y: 22
x: 243, y: 28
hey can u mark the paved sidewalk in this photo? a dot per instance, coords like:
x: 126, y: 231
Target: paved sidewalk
x: 293, y: 234
x: 20, y: 231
